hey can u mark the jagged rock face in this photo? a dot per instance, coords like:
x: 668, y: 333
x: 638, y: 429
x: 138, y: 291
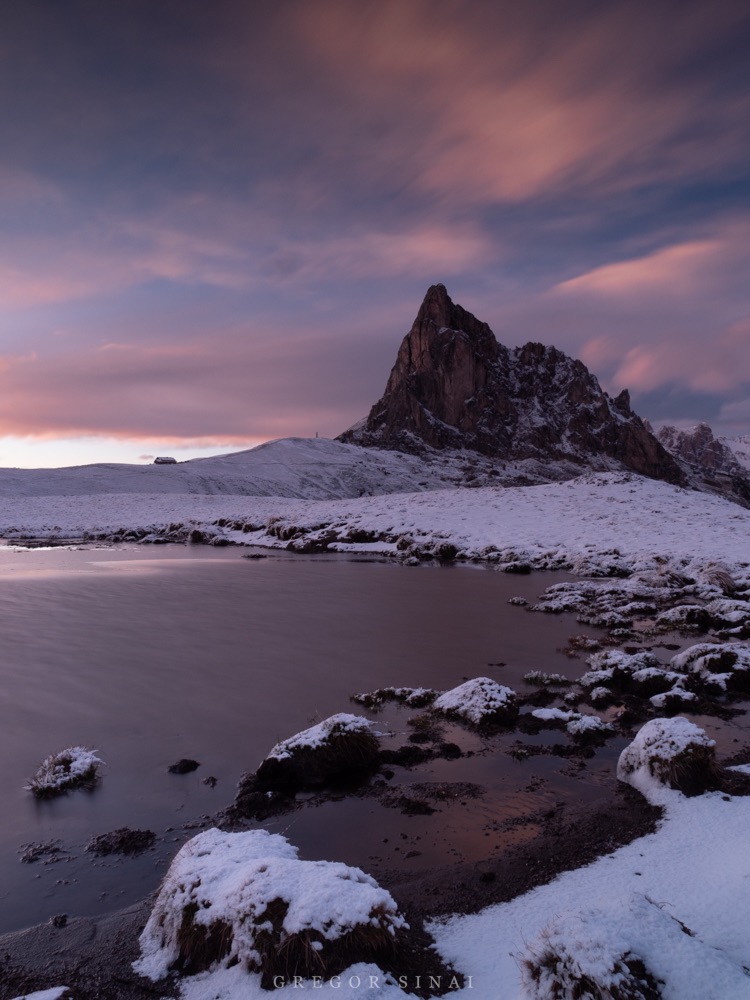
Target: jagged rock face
x: 698, y: 446
x: 454, y: 386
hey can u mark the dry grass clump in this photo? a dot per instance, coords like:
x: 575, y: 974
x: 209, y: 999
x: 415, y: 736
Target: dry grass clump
x: 199, y: 946
x: 308, y: 953
x: 122, y: 841
x: 693, y: 771
x: 412, y: 697
x: 551, y: 971
x: 542, y: 679
x: 74, y: 767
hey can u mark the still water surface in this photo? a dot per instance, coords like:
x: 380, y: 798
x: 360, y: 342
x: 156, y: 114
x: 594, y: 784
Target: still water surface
x: 151, y: 655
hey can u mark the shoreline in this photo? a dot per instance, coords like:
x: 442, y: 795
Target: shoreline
x: 93, y: 956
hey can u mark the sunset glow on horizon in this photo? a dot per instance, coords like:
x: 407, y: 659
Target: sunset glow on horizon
x: 220, y: 219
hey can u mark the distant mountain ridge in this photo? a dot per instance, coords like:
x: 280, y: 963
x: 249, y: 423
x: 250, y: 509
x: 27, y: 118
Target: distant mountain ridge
x: 711, y: 464
x: 699, y: 447
x: 455, y: 386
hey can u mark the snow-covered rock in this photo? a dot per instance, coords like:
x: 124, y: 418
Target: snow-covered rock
x: 668, y: 752
x: 585, y: 955
x: 246, y: 898
x: 338, y: 745
x: 588, y: 725
x: 638, y: 950
x: 319, y: 735
x: 479, y: 700
x: 576, y: 723
x: 717, y: 665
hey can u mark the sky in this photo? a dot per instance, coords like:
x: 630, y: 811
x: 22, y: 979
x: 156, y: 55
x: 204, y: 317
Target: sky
x: 218, y: 220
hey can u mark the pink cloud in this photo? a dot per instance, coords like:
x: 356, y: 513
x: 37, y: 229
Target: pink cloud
x: 498, y: 108
x: 716, y: 365
x: 227, y: 384
x: 673, y: 270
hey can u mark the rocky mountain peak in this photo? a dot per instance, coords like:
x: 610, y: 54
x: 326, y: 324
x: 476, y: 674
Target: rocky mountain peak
x: 441, y: 312
x: 454, y: 386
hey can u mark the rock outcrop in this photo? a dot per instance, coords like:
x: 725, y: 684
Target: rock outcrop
x: 454, y: 386
x: 709, y: 464
x: 699, y: 447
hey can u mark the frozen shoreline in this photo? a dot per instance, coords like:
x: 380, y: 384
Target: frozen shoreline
x: 546, y: 525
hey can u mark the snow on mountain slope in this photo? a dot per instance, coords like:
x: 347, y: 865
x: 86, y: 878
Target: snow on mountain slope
x: 740, y: 446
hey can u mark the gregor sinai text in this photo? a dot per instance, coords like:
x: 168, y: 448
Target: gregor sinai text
x: 373, y: 982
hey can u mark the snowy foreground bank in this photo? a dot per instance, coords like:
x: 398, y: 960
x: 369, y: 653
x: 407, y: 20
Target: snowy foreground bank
x: 692, y: 875
x: 664, y: 917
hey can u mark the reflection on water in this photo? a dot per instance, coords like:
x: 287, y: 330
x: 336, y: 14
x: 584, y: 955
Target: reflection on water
x: 189, y: 652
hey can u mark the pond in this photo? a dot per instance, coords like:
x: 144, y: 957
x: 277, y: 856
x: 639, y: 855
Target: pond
x: 152, y: 654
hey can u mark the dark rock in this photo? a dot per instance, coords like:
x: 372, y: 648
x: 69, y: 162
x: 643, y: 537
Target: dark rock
x: 252, y: 803
x: 210, y: 781
x: 454, y: 386
x: 406, y: 756
x: 344, y: 757
x: 59, y: 920
x: 183, y: 766
x: 122, y: 841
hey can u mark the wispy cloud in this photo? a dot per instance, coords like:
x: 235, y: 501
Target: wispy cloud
x: 480, y: 106
x: 672, y: 270
x: 221, y: 219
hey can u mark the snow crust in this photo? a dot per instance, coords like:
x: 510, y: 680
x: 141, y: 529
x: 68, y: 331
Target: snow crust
x: 232, y: 878
x: 56, y: 993
x: 359, y: 980
x: 320, y: 734
x: 477, y: 699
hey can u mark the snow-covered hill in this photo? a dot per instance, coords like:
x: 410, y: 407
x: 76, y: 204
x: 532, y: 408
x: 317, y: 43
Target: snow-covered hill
x: 306, y: 468
x: 292, y: 467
